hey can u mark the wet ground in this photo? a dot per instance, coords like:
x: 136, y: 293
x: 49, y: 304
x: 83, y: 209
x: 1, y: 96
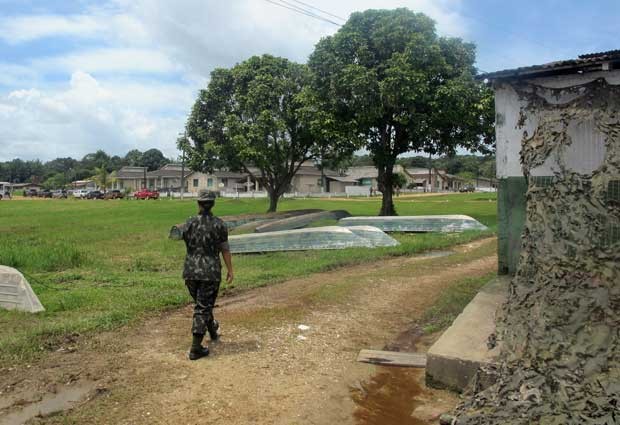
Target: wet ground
x: 261, y: 371
x: 62, y: 398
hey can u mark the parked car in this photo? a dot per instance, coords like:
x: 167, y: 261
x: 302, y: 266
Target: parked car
x: 468, y: 188
x: 59, y: 194
x: 46, y: 193
x: 94, y: 194
x: 30, y: 192
x: 80, y: 193
x: 146, y: 194
x: 114, y: 194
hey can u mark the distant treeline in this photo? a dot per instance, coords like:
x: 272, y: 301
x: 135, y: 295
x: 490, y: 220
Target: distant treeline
x: 60, y: 172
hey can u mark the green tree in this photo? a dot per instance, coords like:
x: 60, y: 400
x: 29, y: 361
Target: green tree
x: 153, y: 159
x: 103, y: 178
x: 488, y: 167
x: 260, y: 117
x: 399, y: 181
x: 413, y: 162
x: 133, y: 158
x: 56, y: 181
x: 401, y: 88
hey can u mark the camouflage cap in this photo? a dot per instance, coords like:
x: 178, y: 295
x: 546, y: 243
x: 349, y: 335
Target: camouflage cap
x: 206, y: 196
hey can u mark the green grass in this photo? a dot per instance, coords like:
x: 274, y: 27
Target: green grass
x: 101, y: 264
x: 452, y: 302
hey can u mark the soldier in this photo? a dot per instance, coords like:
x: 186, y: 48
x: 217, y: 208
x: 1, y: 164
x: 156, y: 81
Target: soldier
x: 205, y: 237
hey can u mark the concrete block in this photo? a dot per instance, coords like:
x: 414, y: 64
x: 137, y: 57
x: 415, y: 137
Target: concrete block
x: 456, y: 356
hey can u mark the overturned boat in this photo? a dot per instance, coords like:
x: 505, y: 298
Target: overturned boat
x: 327, y: 237
x: 16, y: 293
x: 417, y: 223
x: 374, y: 235
x: 301, y: 220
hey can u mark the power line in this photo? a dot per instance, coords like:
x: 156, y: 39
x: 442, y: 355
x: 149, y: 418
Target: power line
x: 302, y: 11
x: 320, y: 10
x: 286, y: 4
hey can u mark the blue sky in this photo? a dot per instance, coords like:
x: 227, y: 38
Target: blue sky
x: 76, y: 76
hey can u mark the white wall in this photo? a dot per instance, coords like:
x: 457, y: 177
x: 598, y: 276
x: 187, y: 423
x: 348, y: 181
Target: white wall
x: 586, y: 152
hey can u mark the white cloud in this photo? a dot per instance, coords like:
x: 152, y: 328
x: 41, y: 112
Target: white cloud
x: 89, y: 115
x: 99, y: 24
x: 26, y: 28
x: 204, y: 34
x: 106, y: 60
x: 107, y: 102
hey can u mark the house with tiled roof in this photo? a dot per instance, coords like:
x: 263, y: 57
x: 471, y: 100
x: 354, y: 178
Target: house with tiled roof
x: 130, y: 178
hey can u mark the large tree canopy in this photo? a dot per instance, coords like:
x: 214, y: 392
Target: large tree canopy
x: 259, y: 117
x: 152, y: 159
x: 401, y: 88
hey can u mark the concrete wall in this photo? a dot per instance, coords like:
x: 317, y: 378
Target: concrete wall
x: 516, y: 125
x: 131, y: 184
x: 305, y: 183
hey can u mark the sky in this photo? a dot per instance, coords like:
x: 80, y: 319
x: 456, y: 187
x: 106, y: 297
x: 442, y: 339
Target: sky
x: 78, y: 76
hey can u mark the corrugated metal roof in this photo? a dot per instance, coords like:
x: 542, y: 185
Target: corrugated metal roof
x: 589, y: 62
x: 343, y: 179
x: 167, y: 173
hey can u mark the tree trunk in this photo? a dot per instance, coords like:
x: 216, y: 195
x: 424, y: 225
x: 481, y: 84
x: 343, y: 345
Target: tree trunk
x: 274, y: 197
x: 385, y: 180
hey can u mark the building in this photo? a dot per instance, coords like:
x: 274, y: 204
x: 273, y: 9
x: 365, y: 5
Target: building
x: 556, y: 130
x: 130, y: 178
x: 367, y: 175
x: 221, y: 181
x: 416, y: 178
x: 434, y: 180
x: 168, y: 178
x: 484, y: 184
x: 83, y: 184
x: 308, y: 179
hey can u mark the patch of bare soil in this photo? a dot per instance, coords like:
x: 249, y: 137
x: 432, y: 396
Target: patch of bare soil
x: 264, y: 369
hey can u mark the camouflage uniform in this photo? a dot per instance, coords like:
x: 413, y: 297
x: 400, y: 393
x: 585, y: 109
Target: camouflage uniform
x: 205, y: 237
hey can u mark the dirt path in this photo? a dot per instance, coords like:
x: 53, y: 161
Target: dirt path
x: 264, y: 370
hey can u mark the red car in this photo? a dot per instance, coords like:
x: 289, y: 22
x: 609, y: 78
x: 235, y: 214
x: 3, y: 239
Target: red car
x: 146, y: 194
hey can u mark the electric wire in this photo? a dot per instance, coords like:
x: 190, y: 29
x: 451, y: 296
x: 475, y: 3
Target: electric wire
x: 294, y: 8
x: 320, y: 10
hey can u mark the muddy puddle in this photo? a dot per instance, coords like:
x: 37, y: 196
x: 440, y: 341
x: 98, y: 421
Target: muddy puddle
x: 388, y: 398
x: 65, y: 398
x: 434, y: 254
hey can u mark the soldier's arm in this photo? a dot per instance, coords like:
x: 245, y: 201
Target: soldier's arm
x: 226, y: 255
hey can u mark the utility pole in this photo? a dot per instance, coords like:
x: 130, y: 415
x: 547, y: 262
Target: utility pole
x: 183, y: 164
x: 430, y: 172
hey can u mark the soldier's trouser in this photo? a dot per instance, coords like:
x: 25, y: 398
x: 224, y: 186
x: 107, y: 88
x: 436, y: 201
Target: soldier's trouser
x: 204, y: 293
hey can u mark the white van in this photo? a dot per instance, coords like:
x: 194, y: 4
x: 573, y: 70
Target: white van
x: 5, y: 189
x: 80, y: 193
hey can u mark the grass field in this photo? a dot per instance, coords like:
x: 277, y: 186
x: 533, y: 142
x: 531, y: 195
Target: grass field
x: 101, y: 264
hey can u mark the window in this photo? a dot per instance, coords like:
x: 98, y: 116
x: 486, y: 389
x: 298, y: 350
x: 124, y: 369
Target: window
x: 195, y: 183
x: 209, y: 182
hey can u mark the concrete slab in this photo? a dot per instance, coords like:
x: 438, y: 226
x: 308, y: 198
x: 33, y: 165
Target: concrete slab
x: 456, y: 356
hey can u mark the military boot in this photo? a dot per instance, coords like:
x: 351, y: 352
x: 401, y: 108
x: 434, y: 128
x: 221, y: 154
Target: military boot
x: 197, y: 351
x: 213, y: 327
